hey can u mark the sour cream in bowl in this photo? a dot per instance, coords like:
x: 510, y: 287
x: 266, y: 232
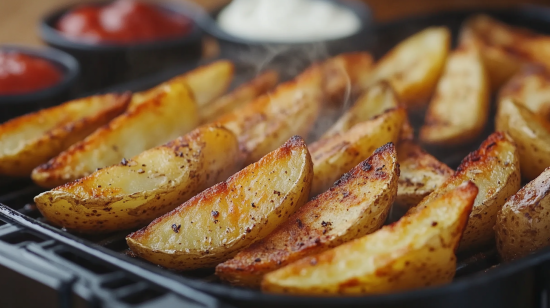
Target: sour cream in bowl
x: 288, y: 35
x: 288, y: 21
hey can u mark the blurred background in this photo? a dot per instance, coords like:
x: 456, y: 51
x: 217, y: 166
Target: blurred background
x: 18, y: 18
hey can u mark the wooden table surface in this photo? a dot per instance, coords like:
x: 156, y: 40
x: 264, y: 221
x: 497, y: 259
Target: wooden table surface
x: 19, y: 18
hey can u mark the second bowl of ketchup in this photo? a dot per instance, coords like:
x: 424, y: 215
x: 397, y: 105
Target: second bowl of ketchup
x: 124, y: 39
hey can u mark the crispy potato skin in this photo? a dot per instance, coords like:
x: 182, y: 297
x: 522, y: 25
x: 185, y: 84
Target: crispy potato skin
x: 531, y: 134
x: 531, y: 88
x: 417, y: 251
x: 267, y: 122
x: 343, y: 74
x: 134, y: 192
x: 155, y: 122
x: 373, y: 102
x: 523, y: 223
x: 460, y: 105
x: 219, y: 222
x: 207, y: 83
x: 32, y: 139
x: 356, y: 205
x: 494, y: 168
x: 334, y: 156
x: 413, y: 66
x: 421, y: 174
x: 239, y: 97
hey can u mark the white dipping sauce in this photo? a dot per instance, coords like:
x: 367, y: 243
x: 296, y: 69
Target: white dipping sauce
x: 288, y: 20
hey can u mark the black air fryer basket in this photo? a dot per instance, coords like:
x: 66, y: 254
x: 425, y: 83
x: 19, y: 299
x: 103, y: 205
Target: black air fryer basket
x: 47, y: 266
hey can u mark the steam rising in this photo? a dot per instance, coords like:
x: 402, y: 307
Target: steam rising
x: 289, y: 61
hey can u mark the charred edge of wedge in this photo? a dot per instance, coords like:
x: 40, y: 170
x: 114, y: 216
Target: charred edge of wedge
x: 484, y: 151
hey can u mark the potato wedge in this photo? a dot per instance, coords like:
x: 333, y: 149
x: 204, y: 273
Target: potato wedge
x: 505, y: 48
x: 267, y: 122
x: 239, y: 97
x: 421, y: 174
x: 161, y: 119
x: 32, y: 139
x: 343, y: 74
x: 136, y: 191
x: 415, y: 252
x: 376, y: 99
x: 414, y: 66
x: 214, y: 225
x: 530, y: 87
x: 334, y: 156
x: 459, y: 108
x: 494, y: 168
x: 356, y: 205
x: 207, y: 83
x: 531, y: 134
x: 499, y: 64
x: 523, y: 223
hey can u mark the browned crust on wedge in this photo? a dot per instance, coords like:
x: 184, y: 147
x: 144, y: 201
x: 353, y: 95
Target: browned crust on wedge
x: 304, y: 234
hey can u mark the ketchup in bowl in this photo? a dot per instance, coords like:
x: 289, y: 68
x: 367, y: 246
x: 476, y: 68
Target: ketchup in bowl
x: 21, y: 73
x: 122, y: 22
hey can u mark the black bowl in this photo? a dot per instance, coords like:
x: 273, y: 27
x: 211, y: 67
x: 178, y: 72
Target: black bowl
x: 15, y: 105
x: 293, y: 57
x: 105, y: 64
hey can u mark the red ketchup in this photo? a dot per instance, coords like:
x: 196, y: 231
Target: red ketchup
x: 21, y: 73
x: 122, y: 22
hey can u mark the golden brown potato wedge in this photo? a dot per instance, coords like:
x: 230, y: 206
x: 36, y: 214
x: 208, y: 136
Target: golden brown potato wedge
x: 343, y: 74
x: 459, y: 108
x: 136, y: 191
x: 414, y: 66
x: 531, y: 134
x: 376, y: 99
x: 334, y: 156
x: 32, y: 139
x: 505, y: 48
x: 421, y: 174
x: 207, y: 83
x: 494, y: 168
x: 356, y: 205
x: 530, y: 87
x: 523, y: 223
x: 214, y: 225
x: 239, y: 97
x: 267, y: 122
x: 415, y: 252
x: 155, y: 122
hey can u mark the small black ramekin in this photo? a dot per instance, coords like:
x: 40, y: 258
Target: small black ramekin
x: 292, y: 57
x: 18, y: 104
x: 104, y: 64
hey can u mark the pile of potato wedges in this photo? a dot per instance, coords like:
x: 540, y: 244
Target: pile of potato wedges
x: 237, y: 181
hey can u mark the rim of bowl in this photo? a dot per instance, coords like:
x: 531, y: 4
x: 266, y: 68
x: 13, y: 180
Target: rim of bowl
x: 68, y: 64
x: 210, y: 25
x: 52, y: 36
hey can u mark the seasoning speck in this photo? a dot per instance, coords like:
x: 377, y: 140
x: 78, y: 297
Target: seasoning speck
x: 176, y: 228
